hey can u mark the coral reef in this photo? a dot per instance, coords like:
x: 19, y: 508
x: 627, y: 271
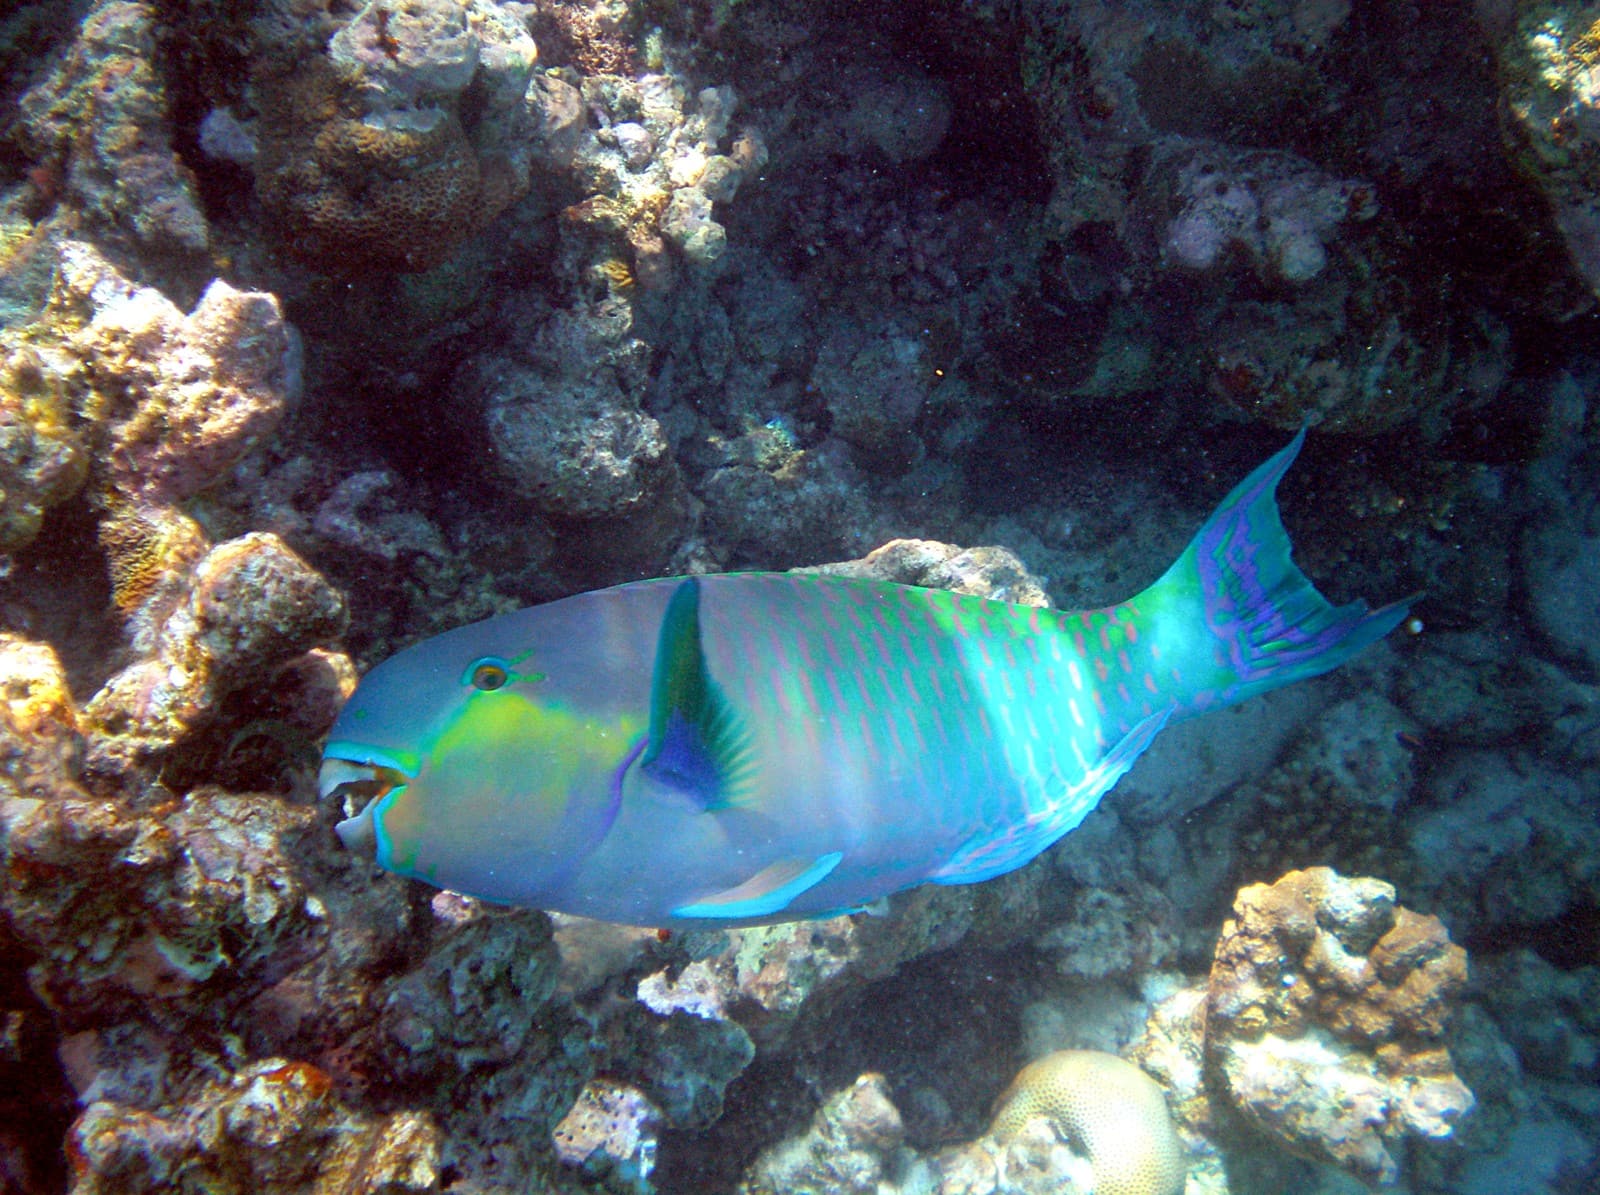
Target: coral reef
x: 592, y: 289
x: 370, y: 156
x: 99, y: 122
x: 179, y: 399
x: 1274, y: 212
x: 610, y: 1132
x: 271, y: 1126
x: 1546, y: 54
x: 248, y: 607
x: 39, y: 741
x: 1322, y: 982
x: 850, y: 1147
x: 43, y: 460
x: 1076, y: 1120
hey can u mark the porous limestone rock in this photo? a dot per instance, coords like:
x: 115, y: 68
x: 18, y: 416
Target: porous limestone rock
x: 1326, y: 1019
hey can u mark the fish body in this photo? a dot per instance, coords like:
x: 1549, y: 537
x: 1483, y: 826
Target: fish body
x: 755, y: 747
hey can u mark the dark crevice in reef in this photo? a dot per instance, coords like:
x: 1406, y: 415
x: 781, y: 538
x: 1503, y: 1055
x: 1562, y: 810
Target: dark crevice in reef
x: 75, y: 615
x: 929, y: 1030
x: 36, y: 1106
x: 1568, y: 943
x: 992, y: 146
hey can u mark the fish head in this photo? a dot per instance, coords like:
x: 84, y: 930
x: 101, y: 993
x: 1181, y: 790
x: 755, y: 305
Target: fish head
x: 489, y: 772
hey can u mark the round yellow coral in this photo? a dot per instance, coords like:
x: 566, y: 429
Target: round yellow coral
x: 1109, y: 1109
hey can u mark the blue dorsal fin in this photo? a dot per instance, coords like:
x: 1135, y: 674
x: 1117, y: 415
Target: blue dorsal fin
x: 697, y: 743
x: 767, y: 893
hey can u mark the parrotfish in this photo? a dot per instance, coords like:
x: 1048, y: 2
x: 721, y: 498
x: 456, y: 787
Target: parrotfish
x: 755, y: 747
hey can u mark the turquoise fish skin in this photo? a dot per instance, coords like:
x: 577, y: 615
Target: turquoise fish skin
x: 758, y: 747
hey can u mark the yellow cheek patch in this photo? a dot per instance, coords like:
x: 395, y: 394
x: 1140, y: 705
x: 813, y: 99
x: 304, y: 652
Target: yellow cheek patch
x: 504, y: 766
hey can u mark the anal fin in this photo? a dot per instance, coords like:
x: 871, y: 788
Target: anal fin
x: 766, y: 893
x: 994, y: 852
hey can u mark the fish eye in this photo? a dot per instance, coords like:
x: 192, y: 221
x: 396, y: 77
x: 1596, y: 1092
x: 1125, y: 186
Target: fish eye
x: 488, y: 674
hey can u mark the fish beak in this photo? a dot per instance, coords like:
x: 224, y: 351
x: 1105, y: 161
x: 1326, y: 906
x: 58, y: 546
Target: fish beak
x: 359, y: 786
x: 358, y: 833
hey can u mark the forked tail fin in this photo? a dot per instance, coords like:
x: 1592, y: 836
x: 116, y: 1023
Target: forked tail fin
x: 1237, y: 617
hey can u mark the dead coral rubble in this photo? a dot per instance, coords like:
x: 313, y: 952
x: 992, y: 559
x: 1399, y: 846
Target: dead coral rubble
x: 1320, y: 985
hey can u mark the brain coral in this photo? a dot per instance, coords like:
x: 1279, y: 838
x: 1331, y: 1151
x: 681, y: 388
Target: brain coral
x: 1108, y: 1108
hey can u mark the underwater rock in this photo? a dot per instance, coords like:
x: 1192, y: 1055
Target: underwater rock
x: 987, y: 572
x: 851, y: 1148
x: 365, y: 513
x: 1326, y: 1019
x: 39, y: 739
x: 177, y: 399
x: 1551, y: 100
x: 610, y: 1133
x: 474, y: 1000
x: 247, y: 608
x: 876, y: 381
x: 1549, y: 1015
x: 1507, y: 842
x: 807, y: 505
x: 684, y: 1063
x: 652, y: 171
x: 100, y: 118
x: 121, y: 907
x: 1104, y: 932
x: 1272, y: 210
x: 561, y: 417
x: 1562, y: 568
x: 272, y: 1127
x: 576, y: 449
x: 1353, y: 757
x: 1466, y: 689
x: 43, y: 460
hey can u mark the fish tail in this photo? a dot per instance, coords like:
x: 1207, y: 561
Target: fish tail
x: 1238, y: 612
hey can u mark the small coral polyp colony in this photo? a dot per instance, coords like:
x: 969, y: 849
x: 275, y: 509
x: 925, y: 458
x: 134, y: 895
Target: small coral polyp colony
x: 325, y: 327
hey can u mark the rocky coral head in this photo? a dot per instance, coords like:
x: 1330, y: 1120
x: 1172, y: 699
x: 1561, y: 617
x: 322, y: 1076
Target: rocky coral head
x: 1327, y: 1010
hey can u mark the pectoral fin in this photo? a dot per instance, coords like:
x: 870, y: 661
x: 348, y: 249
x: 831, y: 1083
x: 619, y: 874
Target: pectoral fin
x: 766, y: 893
x: 697, y: 744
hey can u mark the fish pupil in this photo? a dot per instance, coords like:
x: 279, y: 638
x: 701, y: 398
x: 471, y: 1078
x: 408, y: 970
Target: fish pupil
x: 488, y: 676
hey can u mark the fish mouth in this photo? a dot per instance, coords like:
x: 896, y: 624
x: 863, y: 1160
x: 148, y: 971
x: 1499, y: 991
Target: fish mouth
x: 359, y: 784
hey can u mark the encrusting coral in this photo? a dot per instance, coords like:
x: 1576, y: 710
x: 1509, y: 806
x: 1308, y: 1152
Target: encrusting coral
x: 248, y: 606
x: 100, y: 120
x: 43, y: 461
x: 849, y: 1148
x: 177, y: 398
x: 406, y: 137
